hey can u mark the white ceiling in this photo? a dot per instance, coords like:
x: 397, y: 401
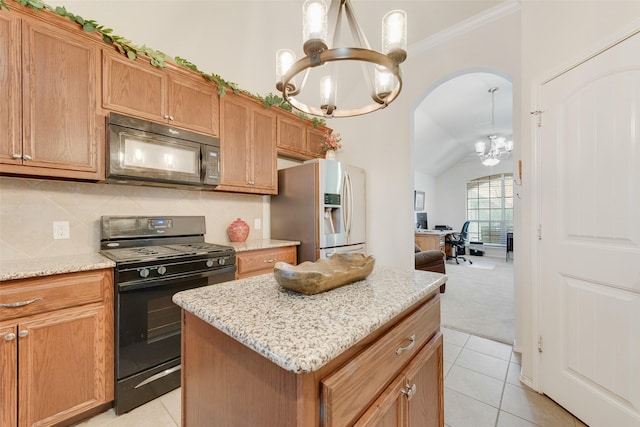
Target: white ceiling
x: 455, y: 115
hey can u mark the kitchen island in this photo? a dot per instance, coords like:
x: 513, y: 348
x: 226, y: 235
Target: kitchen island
x: 369, y: 353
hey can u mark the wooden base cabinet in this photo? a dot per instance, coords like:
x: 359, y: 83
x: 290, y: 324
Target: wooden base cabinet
x: 56, y: 363
x: 391, y: 378
x: 261, y: 261
x: 413, y: 399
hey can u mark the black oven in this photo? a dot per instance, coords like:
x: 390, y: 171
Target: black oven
x: 148, y: 337
x: 156, y: 257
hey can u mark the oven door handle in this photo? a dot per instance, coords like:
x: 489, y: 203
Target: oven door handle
x: 159, y: 375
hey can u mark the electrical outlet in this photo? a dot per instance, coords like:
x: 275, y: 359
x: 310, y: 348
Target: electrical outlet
x: 60, y: 230
x: 257, y: 223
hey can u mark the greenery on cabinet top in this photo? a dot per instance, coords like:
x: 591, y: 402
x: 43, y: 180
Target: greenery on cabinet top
x: 156, y: 57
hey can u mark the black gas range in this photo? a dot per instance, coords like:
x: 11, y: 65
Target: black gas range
x: 156, y: 257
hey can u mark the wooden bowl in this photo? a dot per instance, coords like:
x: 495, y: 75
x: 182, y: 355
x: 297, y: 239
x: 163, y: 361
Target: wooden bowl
x: 314, y: 277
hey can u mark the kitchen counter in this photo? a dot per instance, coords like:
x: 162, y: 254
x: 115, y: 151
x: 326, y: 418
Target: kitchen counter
x: 302, y: 333
x: 36, y: 267
x: 253, y: 245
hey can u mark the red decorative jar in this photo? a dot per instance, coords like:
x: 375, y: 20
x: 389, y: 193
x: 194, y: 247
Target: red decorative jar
x: 238, y: 230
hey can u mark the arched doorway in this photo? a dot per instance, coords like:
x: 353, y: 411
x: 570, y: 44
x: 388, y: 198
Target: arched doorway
x: 455, y: 113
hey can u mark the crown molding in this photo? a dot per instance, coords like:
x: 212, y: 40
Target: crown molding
x: 503, y: 9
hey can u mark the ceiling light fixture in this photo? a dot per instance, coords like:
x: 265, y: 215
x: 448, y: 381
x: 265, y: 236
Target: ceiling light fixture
x: 381, y: 70
x: 499, y: 148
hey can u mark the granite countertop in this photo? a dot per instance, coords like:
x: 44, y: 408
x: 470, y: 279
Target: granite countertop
x: 252, y: 245
x: 302, y: 333
x: 46, y: 266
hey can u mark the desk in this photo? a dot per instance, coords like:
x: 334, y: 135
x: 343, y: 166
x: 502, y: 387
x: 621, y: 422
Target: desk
x: 431, y: 239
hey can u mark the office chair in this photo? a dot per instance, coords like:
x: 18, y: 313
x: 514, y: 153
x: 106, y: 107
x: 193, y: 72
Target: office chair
x: 458, y: 242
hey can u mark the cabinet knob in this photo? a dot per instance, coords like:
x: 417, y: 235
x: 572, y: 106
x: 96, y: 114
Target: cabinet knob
x: 412, y: 343
x: 26, y: 157
x: 16, y: 156
x: 171, y: 118
x: 10, y: 337
x: 23, y: 333
x: 409, y: 391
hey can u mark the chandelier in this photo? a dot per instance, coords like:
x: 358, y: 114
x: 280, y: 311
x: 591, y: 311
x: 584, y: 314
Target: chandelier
x: 498, y: 148
x: 381, y: 71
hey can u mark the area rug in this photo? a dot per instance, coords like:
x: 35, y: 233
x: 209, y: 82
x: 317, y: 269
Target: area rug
x: 480, y: 301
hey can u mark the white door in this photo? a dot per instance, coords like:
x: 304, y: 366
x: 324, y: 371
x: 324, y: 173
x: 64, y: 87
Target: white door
x: 589, y: 168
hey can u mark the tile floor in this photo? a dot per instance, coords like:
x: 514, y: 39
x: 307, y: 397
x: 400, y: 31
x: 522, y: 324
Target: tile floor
x: 482, y: 389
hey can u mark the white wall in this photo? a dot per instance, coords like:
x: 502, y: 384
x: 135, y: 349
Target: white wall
x: 451, y: 189
x: 575, y: 30
x: 427, y: 184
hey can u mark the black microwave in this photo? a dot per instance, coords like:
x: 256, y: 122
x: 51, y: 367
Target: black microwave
x: 147, y: 153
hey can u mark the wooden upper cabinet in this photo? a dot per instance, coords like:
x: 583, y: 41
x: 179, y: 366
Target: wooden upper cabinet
x: 315, y: 137
x: 291, y: 134
x: 178, y: 98
x: 247, y: 146
x: 11, y: 97
x: 57, y: 99
x: 298, y: 138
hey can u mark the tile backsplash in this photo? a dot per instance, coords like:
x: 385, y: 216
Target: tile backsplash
x: 28, y: 208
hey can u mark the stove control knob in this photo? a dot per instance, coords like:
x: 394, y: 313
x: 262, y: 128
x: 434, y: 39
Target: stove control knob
x: 209, y: 263
x: 162, y: 269
x: 144, y: 272
x: 222, y: 261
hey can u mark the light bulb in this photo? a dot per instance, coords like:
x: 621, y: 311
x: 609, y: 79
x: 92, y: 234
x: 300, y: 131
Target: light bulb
x: 327, y: 95
x: 394, y: 35
x: 284, y: 60
x: 314, y: 26
x: 384, y: 83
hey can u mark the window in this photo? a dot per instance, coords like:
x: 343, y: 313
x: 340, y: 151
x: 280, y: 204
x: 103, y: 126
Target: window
x: 490, y: 208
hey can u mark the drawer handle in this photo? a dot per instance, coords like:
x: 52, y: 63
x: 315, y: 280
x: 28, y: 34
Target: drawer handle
x: 412, y: 344
x: 20, y: 303
x: 409, y: 391
x: 270, y: 260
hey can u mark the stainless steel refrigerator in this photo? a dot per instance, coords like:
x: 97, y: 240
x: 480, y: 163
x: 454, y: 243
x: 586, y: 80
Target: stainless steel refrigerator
x: 321, y: 204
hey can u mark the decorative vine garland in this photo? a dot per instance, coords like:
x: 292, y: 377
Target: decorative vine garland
x: 157, y: 58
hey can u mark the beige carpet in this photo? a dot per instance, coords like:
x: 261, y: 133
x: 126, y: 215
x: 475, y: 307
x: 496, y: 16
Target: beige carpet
x: 479, y: 298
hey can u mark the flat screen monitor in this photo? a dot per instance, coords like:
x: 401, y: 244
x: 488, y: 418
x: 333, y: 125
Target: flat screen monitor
x: 421, y: 220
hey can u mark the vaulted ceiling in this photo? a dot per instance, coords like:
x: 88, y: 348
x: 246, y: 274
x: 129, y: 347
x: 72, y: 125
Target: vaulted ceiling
x: 455, y: 115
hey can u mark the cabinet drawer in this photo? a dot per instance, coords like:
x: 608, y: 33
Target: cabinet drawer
x: 252, y: 263
x: 347, y: 392
x: 43, y: 294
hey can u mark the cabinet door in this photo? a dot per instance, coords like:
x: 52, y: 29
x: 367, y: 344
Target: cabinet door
x: 133, y: 87
x: 8, y: 376
x: 61, y: 126
x: 234, y: 142
x: 292, y: 134
x: 426, y: 403
x: 194, y: 104
x: 63, y: 365
x: 315, y: 136
x: 263, y: 151
x: 389, y: 410
x: 10, y: 96
x: 247, y: 147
